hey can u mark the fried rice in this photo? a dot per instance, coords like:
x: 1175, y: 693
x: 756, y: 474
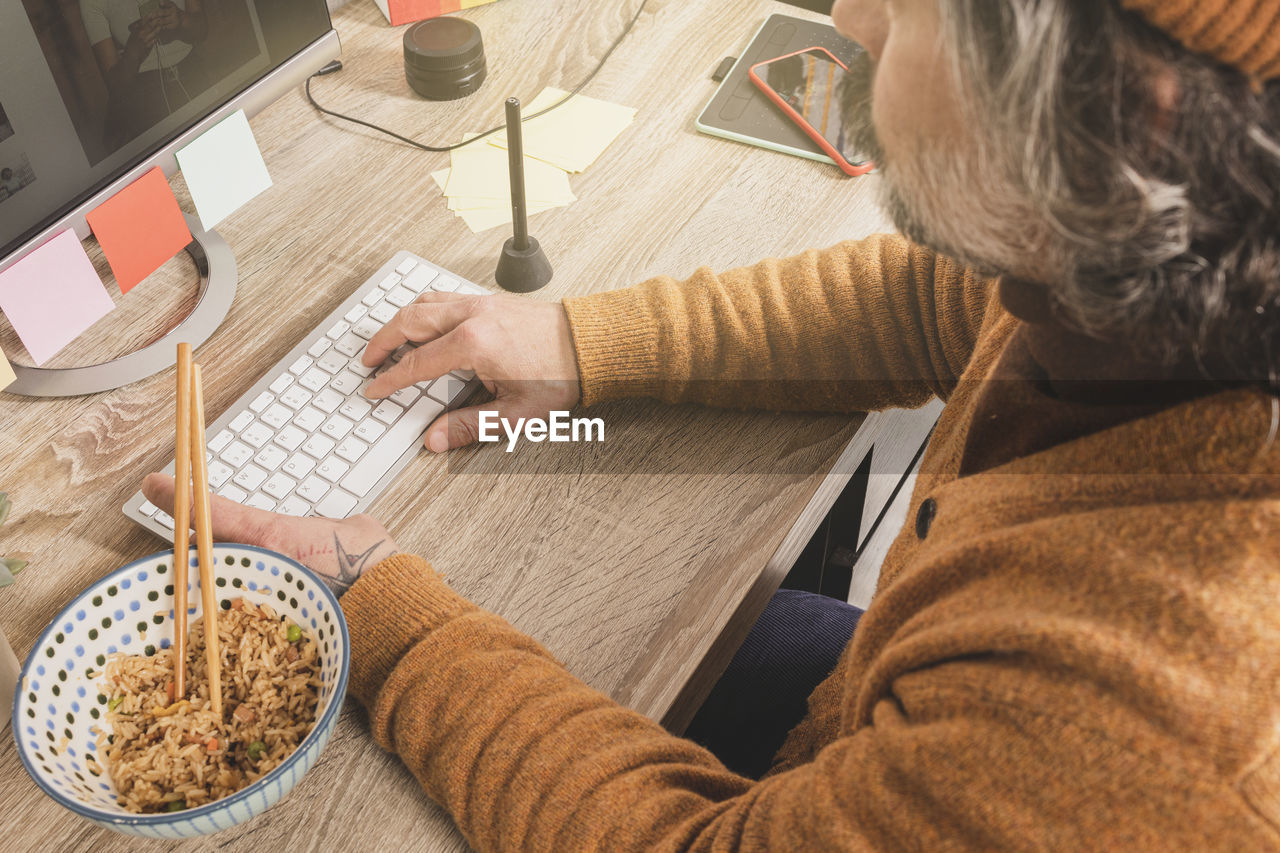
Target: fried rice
x: 167, y: 756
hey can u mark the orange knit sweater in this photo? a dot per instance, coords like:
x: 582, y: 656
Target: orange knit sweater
x: 1083, y: 653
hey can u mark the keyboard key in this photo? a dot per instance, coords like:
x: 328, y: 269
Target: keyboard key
x: 250, y: 477
x: 401, y: 296
x: 334, y: 360
x: 278, y: 485
x: 314, y: 379
x: 391, y: 280
x: 333, y: 469
x: 337, y: 427
x: 406, y: 396
x: 276, y: 416
x: 367, y: 327
x: 260, y: 501
x: 300, y: 366
x: 309, y: 419
x: 221, y: 440
x: 328, y: 400
x: 445, y: 284
x: 373, y: 297
x: 465, y: 375
x: 257, y: 435
x: 240, y: 421
x: 355, y: 313
x: 355, y: 408
x: 445, y: 389
x: 351, y: 449
x: 266, y: 398
x: 271, y: 457
x: 148, y: 508
x: 476, y: 290
x: 398, y: 439
x: 283, y: 381
x: 319, y: 347
x: 219, y: 473
x: 296, y: 397
x: 233, y: 493
x: 406, y: 266
x: 319, y: 446
x: 313, y: 489
x: 336, y: 504
x: 290, y: 438
x: 346, y: 383
x: 420, y: 278
x: 350, y: 345
x: 383, y: 312
x: 236, y: 454
x: 387, y: 412
x: 299, y: 465
x: 359, y: 369
x: 164, y: 518
x: 294, y: 506
x: 369, y: 430
x: 337, y: 330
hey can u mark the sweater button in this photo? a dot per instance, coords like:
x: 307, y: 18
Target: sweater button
x: 924, y: 517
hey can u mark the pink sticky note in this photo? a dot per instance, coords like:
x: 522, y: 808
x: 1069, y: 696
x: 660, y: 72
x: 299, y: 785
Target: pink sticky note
x: 52, y: 295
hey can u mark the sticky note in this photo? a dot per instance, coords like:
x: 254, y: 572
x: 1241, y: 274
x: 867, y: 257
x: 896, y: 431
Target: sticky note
x: 139, y: 228
x: 574, y: 134
x: 482, y: 171
x: 52, y: 295
x: 6, y: 371
x: 223, y: 168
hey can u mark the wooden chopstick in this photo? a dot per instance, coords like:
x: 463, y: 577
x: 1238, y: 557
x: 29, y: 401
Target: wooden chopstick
x: 181, y: 520
x: 204, y: 543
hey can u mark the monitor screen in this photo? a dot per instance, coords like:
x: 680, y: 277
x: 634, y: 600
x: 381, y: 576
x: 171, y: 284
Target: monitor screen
x: 91, y: 88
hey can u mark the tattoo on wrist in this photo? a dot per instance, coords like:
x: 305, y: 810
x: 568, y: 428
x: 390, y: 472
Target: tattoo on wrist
x: 350, y: 566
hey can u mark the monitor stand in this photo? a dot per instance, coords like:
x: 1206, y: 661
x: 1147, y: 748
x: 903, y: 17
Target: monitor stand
x: 217, y: 268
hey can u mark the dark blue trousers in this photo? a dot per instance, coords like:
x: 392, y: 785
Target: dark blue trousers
x: 763, y: 694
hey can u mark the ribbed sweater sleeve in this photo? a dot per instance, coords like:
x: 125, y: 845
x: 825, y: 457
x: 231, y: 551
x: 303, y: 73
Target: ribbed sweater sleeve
x: 860, y: 326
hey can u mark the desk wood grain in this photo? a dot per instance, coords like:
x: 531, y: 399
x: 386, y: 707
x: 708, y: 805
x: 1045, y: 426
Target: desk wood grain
x: 636, y: 577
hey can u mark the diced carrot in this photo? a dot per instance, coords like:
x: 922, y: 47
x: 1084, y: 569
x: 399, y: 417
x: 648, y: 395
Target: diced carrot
x: 169, y: 690
x: 212, y: 744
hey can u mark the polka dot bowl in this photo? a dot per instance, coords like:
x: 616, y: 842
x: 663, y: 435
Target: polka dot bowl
x: 59, y: 702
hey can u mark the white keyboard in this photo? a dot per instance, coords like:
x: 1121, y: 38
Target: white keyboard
x: 303, y: 440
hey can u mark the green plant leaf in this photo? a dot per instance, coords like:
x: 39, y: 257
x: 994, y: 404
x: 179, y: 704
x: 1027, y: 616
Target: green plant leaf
x: 6, y: 576
x: 13, y: 564
x: 4, y: 506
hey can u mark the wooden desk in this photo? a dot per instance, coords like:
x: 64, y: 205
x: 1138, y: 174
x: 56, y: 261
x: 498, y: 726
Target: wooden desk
x: 642, y: 579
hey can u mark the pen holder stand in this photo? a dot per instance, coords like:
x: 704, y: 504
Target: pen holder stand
x: 217, y: 267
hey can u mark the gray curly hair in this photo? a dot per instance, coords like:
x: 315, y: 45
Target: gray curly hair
x: 1156, y: 226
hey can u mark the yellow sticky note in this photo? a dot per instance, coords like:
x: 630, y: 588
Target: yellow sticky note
x: 574, y: 134
x: 480, y: 171
x: 482, y: 219
x: 6, y: 371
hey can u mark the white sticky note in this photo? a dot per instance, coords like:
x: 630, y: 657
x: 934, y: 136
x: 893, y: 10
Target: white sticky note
x: 53, y: 295
x: 574, y: 134
x: 223, y: 168
x: 481, y: 171
x: 6, y: 371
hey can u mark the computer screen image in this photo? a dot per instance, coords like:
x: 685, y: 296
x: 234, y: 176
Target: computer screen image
x: 90, y: 89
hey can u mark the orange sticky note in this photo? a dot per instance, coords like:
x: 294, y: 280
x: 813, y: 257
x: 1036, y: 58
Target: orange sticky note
x: 139, y: 228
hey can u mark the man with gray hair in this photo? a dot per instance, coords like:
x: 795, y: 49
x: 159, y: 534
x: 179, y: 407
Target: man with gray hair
x: 1074, y: 642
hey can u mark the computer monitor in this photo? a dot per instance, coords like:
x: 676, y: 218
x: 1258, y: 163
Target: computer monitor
x: 94, y: 93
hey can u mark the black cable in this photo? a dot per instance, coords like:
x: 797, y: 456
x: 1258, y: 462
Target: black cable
x: 336, y: 65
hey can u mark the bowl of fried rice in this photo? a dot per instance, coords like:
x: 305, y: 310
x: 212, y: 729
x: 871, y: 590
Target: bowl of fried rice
x: 98, y: 726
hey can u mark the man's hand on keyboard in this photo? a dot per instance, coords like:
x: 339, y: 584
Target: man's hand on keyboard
x: 522, y: 350
x: 338, y: 551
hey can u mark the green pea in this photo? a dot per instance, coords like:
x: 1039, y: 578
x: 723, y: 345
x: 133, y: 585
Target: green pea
x: 115, y: 703
x: 175, y: 805
x: 294, y: 633
x: 255, y: 749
